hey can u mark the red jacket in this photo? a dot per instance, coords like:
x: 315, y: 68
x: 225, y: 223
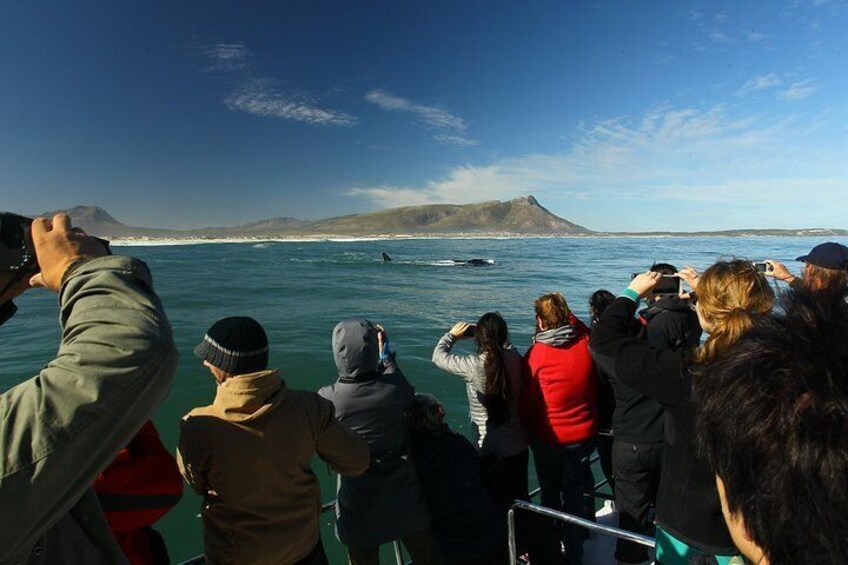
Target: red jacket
x: 140, y: 486
x: 557, y: 402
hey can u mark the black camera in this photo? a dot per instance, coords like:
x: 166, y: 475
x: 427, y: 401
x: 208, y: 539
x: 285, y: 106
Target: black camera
x: 668, y: 284
x: 17, y: 253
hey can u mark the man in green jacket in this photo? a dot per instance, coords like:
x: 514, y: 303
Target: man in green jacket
x: 59, y: 429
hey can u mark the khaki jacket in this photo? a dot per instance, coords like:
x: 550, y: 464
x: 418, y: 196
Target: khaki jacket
x: 59, y: 429
x: 249, y: 456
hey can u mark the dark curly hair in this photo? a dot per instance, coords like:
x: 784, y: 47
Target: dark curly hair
x: 773, y: 424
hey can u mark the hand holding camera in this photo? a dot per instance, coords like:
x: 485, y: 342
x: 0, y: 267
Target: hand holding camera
x: 57, y: 247
x: 643, y: 283
x: 462, y: 330
x: 779, y: 271
x: 382, y: 341
x: 691, y: 276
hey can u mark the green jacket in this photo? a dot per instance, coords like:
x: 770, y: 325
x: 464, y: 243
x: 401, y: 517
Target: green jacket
x: 60, y: 428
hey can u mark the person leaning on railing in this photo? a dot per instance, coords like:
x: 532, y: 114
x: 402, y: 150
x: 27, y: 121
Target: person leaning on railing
x: 249, y: 454
x: 59, y: 429
x: 731, y: 295
x: 372, y: 397
x: 557, y: 406
x: 468, y: 526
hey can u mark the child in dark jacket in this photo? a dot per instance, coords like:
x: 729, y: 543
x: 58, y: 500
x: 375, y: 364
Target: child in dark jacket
x: 466, y: 523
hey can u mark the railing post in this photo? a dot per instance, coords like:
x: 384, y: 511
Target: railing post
x: 398, y: 552
x: 513, y: 550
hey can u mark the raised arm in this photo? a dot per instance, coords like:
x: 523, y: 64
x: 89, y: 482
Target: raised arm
x: 465, y: 366
x: 62, y: 427
x: 656, y: 373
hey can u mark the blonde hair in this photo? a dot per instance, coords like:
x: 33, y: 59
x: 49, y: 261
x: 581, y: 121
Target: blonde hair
x: 552, y: 309
x: 730, y: 296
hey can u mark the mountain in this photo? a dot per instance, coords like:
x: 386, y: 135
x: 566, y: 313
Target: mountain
x: 96, y: 221
x: 519, y: 216
x: 514, y: 217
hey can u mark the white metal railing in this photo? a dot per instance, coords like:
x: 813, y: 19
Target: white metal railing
x: 568, y: 519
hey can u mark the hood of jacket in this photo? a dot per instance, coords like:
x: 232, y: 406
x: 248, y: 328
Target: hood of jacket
x: 248, y: 397
x: 665, y: 303
x: 355, y: 349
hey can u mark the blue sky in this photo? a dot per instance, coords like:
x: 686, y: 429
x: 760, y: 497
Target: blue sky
x: 616, y: 115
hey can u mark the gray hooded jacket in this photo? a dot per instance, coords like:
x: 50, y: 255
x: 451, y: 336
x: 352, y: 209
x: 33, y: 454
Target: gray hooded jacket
x: 372, y: 397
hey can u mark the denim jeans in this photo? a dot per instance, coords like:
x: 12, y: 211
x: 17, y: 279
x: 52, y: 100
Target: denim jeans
x: 564, y: 472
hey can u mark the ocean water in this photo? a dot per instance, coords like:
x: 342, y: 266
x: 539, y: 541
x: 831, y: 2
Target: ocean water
x: 300, y: 290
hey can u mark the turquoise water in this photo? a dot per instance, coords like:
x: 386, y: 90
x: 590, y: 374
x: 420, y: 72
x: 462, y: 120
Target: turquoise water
x: 299, y: 291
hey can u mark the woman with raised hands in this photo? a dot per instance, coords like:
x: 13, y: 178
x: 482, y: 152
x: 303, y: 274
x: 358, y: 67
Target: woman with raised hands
x: 730, y: 295
x: 492, y: 376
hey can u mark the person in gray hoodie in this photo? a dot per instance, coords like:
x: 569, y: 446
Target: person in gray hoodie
x: 372, y: 397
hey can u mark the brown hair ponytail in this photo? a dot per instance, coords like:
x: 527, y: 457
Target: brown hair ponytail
x: 731, y: 294
x: 491, y: 335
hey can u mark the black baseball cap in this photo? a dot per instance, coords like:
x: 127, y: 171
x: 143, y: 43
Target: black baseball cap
x: 236, y: 345
x: 830, y: 255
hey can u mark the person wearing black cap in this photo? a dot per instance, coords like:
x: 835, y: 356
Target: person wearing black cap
x: 825, y: 268
x: 249, y: 454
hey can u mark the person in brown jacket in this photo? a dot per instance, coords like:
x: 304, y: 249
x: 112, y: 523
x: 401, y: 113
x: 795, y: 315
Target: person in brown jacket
x: 249, y: 454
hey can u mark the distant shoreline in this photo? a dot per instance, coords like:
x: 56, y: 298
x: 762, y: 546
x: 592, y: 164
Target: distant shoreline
x: 337, y: 238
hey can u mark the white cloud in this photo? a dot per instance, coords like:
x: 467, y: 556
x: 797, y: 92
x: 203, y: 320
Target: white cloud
x: 710, y: 159
x: 760, y: 82
x: 720, y: 37
x: 755, y: 36
x: 450, y: 139
x: 258, y: 97
x: 227, y: 56
x: 451, y: 128
x: 799, y: 90
x: 663, y: 58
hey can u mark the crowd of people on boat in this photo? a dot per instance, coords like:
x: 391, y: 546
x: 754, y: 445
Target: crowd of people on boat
x: 719, y: 411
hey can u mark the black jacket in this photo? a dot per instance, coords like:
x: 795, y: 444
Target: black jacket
x: 671, y: 323
x: 687, y: 503
x: 465, y: 521
x: 668, y: 323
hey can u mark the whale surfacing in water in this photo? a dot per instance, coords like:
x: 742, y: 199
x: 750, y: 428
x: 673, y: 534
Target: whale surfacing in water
x: 474, y: 262
x: 454, y: 262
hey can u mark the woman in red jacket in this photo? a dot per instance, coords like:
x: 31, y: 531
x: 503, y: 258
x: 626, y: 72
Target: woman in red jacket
x: 558, y: 408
